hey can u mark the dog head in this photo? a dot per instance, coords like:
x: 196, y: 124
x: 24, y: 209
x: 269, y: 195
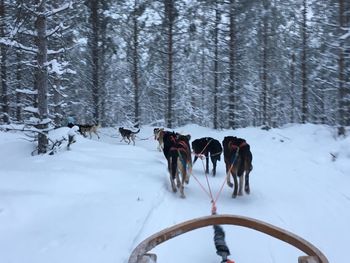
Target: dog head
x: 157, y: 133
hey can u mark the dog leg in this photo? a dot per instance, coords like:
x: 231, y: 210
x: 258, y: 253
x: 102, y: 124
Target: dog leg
x: 184, y: 177
x: 240, y: 184
x: 173, y: 186
x: 235, y: 189
x: 206, y: 163
x: 214, y: 167
x: 172, y: 178
x: 246, y: 186
x: 228, y: 176
x: 228, y: 180
x: 178, y: 182
x: 183, y: 173
x: 188, y: 172
x: 240, y: 174
x: 248, y: 168
x: 160, y: 146
x: 182, y: 192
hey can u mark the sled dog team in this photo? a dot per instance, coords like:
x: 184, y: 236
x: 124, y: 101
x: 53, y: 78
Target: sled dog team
x: 88, y: 129
x: 177, y: 151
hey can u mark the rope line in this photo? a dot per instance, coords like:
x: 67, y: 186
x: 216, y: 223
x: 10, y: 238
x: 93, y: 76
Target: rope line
x: 143, y: 139
x: 205, y: 190
x: 209, y: 191
x: 218, y: 194
x: 211, y: 194
x: 206, y: 146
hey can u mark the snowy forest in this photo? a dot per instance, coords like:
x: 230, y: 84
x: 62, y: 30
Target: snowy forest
x: 215, y: 63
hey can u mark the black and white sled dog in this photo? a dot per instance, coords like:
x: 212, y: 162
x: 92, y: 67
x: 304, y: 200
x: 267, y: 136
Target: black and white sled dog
x: 128, y: 135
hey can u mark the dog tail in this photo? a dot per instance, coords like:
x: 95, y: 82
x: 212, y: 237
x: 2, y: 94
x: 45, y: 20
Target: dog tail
x: 137, y: 131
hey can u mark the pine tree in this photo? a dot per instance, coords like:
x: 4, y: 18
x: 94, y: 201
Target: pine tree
x: 4, y: 98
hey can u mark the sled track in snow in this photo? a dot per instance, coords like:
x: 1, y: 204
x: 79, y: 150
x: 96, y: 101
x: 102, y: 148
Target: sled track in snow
x: 148, y: 216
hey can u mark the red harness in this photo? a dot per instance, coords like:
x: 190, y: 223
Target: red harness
x: 234, y: 146
x: 181, y: 146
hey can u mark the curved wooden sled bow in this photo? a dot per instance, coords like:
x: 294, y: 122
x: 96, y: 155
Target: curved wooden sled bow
x: 140, y: 255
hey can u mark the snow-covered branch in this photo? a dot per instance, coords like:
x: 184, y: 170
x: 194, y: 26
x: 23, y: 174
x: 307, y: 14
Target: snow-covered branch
x: 27, y: 32
x: 31, y: 109
x: 30, y: 10
x: 13, y: 43
x: 54, y: 52
x: 59, y: 9
x: 345, y: 36
x: 59, y: 68
x: 56, y: 29
x: 27, y: 91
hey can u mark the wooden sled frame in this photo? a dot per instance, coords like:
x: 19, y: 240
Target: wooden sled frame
x: 140, y: 255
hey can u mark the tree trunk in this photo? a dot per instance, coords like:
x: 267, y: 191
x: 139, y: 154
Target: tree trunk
x: 103, y: 65
x: 95, y: 63
x: 136, y: 66
x: 342, y: 94
x: 264, y: 70
x: 18, y: 85
x: 232, y: 73
x: 292, y: 89
x: 304, y: 96
x: 3, y: 69
x: 216, y: 65
x: 57, y: 102
x: 19, y: 68
x: 42, y: 78
x: 169, y: 12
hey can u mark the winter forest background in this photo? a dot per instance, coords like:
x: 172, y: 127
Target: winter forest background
x: 216, y: 63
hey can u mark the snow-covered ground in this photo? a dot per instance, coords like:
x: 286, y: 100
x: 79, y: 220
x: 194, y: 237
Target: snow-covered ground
x: 96, y: 202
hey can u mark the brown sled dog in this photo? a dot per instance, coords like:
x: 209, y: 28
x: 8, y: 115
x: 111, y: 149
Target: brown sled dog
x: 88, y: 129
x: 238, y: 160
x: 177, y: 151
